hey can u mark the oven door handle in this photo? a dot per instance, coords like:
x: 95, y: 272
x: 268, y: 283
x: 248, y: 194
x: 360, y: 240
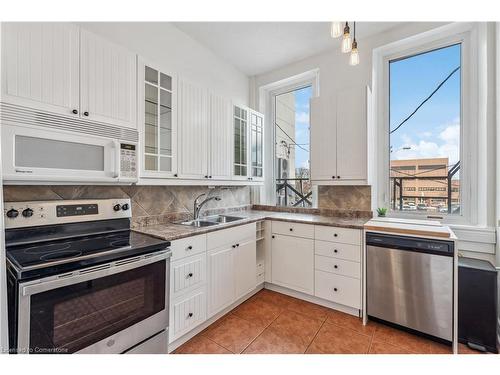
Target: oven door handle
x: 92, y: 273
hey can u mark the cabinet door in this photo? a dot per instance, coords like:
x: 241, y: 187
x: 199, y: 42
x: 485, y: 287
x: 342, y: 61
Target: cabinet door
x: 240, y: 144
x: 351, y: 134
x: 192, y: 131
x: 107, y: 82
x: 220, y: 279
x: 323, y: 139
x: 245, y: 262
x: 157, y: 121
x: 40, y: 66
x: 293, y: 263
x: 256, y: 146
x: 220, y: 158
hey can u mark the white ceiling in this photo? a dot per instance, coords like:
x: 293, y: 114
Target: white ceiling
x: 259, y: 47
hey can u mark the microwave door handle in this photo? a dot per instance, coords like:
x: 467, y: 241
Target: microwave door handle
x: 116, y: 151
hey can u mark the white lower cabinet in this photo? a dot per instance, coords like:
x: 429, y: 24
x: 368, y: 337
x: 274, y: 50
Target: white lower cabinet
x: 188, y: 274
x: 292, y: 262
x: 337, y: 288
x: 187, y: 312
x: 245, y: 266
x: 221, y: 289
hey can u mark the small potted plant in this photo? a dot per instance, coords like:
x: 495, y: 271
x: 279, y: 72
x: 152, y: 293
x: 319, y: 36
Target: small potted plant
x: 381, y: 211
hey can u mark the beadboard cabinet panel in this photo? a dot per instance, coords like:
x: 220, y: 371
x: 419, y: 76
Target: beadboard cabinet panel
x: 40, y: 66
x: 193, y: 131
x: 220, y: 138
x: 108, y: 88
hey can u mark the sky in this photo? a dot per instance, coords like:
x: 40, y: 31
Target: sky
x: 302, y: 97
x: 434, y: 131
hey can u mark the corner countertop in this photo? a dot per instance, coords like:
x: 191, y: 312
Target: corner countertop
x: 171, y: 231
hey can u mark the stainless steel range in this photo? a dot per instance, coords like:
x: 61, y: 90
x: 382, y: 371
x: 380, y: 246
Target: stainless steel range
x: 80, y: 281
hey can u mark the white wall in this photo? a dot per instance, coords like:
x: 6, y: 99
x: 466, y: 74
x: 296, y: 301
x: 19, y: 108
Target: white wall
x: 174, y: 51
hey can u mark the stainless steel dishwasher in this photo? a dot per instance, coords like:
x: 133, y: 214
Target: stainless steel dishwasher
x: 410, y: 282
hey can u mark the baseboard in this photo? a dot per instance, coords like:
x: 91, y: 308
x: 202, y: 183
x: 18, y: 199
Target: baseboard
x: 313, y: 299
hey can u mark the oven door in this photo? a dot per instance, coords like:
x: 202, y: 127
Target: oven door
x: 104, y: 309
x: 34, y: 153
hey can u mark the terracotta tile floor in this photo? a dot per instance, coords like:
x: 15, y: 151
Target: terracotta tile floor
x: 273, y: 323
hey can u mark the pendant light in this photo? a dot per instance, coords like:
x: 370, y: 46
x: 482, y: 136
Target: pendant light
x: 354, y: 58
x: 346, y: 39
x: 336, y: 29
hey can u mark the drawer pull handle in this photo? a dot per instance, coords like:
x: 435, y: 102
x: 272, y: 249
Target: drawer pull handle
x: 335, y: 289
x: 233, y: 246
x: 190, y: 247
x: 335, y: 235
x: 335, y: 251
x: 190, y: 274
x: 335, y: 266
x: 291, y: 229
x: 190, y: 315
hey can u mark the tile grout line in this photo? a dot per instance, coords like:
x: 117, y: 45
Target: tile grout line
x: 250, y: 343
x: 314, y: 338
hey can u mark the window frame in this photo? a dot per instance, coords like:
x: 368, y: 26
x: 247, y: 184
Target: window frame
x: 467, y: 35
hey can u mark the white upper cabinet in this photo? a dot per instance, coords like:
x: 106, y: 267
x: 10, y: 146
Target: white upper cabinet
x: 339, y: 137
x: 40, y: 66
x: 62, y: 69
x: 157, y: 92
x: 107, y: 81
x: 220, y: 132
x: 193, y: 124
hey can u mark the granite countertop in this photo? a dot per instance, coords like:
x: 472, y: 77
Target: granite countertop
x: 171, y: 231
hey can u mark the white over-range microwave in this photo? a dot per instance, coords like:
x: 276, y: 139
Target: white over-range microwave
x: 34, y: 153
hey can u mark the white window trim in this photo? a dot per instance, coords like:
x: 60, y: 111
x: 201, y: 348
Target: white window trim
x: 267, y: 94
x: 474, y: 90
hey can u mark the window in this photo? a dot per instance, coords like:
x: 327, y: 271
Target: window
x: 291, y: 121
x: 425, y: 127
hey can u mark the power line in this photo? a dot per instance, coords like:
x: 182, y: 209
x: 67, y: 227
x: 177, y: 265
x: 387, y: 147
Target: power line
x: 298, y: 145
x: 426, y: 99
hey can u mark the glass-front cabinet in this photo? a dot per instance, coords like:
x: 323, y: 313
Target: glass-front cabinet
x: 248, y: 144
x: 256, y: 146
x: 240, y: 119
x: 157, y: 109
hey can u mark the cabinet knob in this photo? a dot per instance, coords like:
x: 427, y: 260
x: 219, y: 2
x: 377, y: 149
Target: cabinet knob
x: 335, y: 251
x: 209, y: 176
x: 190, y: 247
x: 333, y: 176
x: 175, y: 175
x: 75, y: 111
x: 233, y: 246
x: 291, y: 229
x: 335, y: 289
x: 335, y: 235
x: 335, y: 266
x: 272, y: 236
x: 190, y: 274
x: 85, y: 113
x: 190, y: 315
x: 338, y: 176
x: 206, y: 176
x: 237, y: 245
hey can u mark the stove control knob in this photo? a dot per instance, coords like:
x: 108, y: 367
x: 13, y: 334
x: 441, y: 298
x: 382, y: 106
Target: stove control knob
x: 12, y: 213
x: 116, y: 207
x: 28, y: 212
x: 125, y: 206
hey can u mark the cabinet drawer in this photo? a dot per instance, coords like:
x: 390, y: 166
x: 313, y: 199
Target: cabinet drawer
x: 338, y: 266
x: 186, y: 313
x: 293, y: 229
x: 339, y: 289
x: 338, y: 250
x: 230, y: 236
x: 188, y: 246
x: 187, y: 274
x: 343, y: 235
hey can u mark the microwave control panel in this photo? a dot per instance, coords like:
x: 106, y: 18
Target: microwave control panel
x: 128, y: 160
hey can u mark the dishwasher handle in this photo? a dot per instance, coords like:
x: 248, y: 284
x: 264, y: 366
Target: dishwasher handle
x: 417, y: 244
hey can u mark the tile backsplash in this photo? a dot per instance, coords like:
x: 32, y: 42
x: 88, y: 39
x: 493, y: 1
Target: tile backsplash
x: 345, y: 198
x: 150, y: 204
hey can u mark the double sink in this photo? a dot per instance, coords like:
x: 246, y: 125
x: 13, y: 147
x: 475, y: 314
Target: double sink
x: 210, y: 220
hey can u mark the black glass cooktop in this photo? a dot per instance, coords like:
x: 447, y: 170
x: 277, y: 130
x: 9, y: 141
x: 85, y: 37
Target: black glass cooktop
x: 45, y: 258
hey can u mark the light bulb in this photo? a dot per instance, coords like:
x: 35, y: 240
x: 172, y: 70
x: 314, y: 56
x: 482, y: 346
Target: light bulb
x: 346, y: 39
x: 354, y: 58
x: 336, y: 29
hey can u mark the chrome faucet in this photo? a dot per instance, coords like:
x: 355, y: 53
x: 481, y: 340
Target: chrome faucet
x: 197, y: 206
